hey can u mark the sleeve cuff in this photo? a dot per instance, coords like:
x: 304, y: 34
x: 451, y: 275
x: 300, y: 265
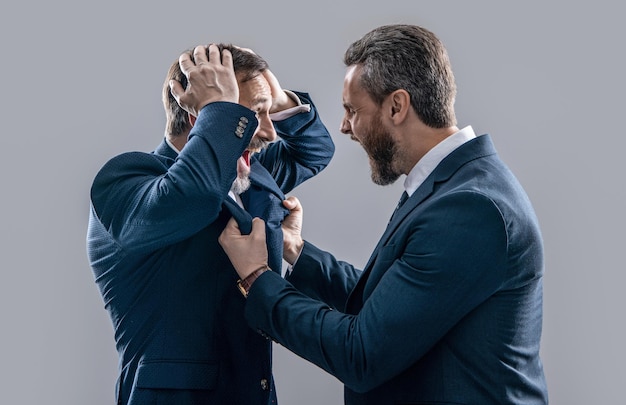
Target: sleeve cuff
x: 290, y: 112
x: 291, y: 266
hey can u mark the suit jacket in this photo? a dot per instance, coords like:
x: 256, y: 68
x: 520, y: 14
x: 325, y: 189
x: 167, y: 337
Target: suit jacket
x: 448, y: 309
x: 168, y: 286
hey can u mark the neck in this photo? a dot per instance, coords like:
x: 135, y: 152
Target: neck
x: 421, y: 140
x: 178, y: 141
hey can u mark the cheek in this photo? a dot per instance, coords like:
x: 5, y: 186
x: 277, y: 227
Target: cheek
x: 360, y: 127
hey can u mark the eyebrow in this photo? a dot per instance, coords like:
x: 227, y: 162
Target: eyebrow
x: 260, y: 100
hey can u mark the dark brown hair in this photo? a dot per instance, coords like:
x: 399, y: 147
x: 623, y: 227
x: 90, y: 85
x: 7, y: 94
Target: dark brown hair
x: 246, y: 64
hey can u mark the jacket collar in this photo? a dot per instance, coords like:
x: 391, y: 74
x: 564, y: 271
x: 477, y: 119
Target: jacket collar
x: 476, y: 148
x: 164, y: 149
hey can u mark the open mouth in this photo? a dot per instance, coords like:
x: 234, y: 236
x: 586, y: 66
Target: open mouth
x: 246, y: 157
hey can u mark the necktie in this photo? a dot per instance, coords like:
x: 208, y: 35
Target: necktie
x: 403, y: 199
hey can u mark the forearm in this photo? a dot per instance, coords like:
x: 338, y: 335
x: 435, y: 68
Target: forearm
x: 416, y: 291
x: 305, y: 148
x: 319, y: 275
x: 145, y: 204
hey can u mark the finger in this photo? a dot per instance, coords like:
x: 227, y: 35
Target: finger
x: 199, y: 54
x: 214, y: 54
x: 185, y: 63
x: 176, y: 89
x: 272, y: 80
x: 227, y: 59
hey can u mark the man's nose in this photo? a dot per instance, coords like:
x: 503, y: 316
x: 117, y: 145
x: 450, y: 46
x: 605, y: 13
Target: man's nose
x: 266, y: 130
x: 345, y: 127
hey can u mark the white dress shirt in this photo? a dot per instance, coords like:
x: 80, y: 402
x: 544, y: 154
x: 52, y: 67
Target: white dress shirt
x: 425, y: 166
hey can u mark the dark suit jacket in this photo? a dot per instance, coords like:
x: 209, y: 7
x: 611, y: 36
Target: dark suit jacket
x: 448, y: 310
x: 168, y: 286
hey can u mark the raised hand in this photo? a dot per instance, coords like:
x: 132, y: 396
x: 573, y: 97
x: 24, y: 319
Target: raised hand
x: 210, y: 78
x: 280, y: 100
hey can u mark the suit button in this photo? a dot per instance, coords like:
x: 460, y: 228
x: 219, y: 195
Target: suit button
x: 265, y: 385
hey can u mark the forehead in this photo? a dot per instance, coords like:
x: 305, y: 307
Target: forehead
x: 353, y: 91
x: 255, y: 92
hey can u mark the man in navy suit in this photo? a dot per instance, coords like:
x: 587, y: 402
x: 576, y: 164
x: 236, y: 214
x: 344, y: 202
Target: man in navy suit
x: 448, y: 309
x: 170, y: 290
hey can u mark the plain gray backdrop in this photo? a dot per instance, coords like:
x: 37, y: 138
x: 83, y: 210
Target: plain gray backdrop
x: 81, y: 82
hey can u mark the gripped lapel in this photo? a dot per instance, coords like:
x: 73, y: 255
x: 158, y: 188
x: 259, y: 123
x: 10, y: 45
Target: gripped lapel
x: 243, y: 218
x: 264, y: 199
x: 474, y: 149
x: 263, y: 179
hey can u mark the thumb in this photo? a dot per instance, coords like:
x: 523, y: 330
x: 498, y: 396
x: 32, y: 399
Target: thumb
x: 176, y: 89
x: 292, y: 204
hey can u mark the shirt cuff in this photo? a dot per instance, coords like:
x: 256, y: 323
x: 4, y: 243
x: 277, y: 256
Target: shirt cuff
x: 290, y: 112
x: 291, y: 266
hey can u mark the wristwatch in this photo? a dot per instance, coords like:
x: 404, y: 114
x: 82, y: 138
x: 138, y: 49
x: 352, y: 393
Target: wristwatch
x: 245, y: 284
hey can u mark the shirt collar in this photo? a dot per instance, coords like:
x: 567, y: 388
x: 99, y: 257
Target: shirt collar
x: 171, y: 145
x: 433, y: 157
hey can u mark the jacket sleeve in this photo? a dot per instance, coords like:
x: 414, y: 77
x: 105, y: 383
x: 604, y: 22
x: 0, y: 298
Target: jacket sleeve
x: 304, y: 149
x: 322, y: 277
x: 451, y: 261
x: 144, y: 204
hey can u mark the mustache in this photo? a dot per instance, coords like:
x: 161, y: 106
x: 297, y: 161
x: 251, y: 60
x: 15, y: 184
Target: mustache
x: 258, y: 144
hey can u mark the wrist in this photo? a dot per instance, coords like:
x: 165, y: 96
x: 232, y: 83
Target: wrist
x: 245, y: 284
x: 292, y: 251
x: 287, y: 101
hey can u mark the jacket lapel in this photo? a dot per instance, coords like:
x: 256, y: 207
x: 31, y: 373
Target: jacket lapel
x: 264, y: 200
x: 243, y: 218
x: 474, y: 149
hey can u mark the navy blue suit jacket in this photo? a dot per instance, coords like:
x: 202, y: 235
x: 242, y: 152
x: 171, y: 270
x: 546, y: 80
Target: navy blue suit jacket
x: 168, y: 286
x: 448, y: 309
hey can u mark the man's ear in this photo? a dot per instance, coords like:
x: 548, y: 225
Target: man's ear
x: 399, y: 105
x: 192, y: 119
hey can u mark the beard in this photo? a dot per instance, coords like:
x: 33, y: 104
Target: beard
x: 257, y: 144
x: 241, y: 184
x: 381, y: 149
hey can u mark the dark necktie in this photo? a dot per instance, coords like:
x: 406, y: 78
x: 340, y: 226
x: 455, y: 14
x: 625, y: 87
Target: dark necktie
x: 403, y: 199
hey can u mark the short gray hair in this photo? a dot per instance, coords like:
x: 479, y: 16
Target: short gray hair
x: 412, y: 58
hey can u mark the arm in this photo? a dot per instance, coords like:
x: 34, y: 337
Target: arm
x: 304, y: 147
x: 303, y: 150
x: 322, y: 277
x: 145, y: 204
x: 452, y: 261
x: 314, y: 272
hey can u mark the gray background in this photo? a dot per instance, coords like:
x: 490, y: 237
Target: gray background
x: 81, y: 82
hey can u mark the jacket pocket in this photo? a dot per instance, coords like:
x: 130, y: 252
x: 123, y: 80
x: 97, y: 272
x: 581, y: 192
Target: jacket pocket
x: 190, y: 375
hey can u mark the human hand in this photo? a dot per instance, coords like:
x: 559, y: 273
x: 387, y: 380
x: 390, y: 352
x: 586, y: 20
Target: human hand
x: 209, y: 79
x: 292, y: 230
x: 280, y: 100
x: 247, y: 253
